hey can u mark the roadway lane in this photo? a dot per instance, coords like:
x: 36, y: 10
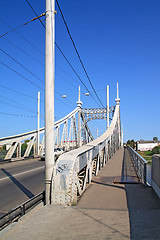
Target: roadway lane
x: 20, y: 181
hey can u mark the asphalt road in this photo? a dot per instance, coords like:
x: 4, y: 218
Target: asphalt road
x: 20, y: 181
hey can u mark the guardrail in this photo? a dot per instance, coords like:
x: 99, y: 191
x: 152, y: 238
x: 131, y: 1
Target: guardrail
x: 140, y: 165
x: 21, y: 210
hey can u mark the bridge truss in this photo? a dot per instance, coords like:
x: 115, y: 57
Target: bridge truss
x: 73, y: 170
x: 71, y: 132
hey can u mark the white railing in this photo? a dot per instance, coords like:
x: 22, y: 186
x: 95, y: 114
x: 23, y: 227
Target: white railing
x: 140, y: 165
x: 74, y: 169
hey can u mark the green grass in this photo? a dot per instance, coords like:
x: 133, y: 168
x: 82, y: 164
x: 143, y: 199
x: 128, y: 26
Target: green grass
x: 146, y: 155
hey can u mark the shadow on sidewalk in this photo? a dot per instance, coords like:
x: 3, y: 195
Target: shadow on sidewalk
x: 144, y: 207
x: 27, y: 192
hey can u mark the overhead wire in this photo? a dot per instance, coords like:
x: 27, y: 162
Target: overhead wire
x: 68, y: 61
x: 35, y: 13
x: 14, y: 102
x: 23, y: 94
x: 78, y: 52
x: 21, y: 75
x: 22, y: 50
x: 24, y: 24
x: 31, y: 44
x: 17, y: 115
x: 14, y: 106
x: 21, y: 65
x: 76, y: 72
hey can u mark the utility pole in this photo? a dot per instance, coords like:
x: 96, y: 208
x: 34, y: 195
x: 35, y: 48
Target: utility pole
x: 38, y: 123
x: 49, y: 96
x: 107, y: 106
x: 79, y: 103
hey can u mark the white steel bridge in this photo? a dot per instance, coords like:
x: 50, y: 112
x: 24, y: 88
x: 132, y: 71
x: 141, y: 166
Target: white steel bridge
x: 84, y: 155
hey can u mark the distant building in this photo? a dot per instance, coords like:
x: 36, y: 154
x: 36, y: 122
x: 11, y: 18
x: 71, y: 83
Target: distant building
x: 146, y: 145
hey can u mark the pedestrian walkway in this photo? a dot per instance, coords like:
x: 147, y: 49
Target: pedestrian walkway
x: 105, y: 211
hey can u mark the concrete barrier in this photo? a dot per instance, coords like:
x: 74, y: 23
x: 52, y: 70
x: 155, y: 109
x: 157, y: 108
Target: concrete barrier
x: 155, y: 175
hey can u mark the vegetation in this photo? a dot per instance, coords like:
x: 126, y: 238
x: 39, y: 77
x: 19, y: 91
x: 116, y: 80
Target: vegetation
x: 155, y: 139
x: 156, y: 150
x: 131, y: 143
x: 148, y: 154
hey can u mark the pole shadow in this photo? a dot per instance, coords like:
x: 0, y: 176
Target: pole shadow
x: 26, y: 191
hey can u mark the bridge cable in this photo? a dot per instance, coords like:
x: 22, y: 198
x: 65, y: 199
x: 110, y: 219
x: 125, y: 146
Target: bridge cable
x: 78, y: 52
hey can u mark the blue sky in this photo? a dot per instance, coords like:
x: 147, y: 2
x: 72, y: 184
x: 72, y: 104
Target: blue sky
x: 118, y: 40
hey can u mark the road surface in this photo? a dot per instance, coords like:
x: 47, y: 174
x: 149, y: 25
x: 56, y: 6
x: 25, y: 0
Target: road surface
x: 20, y: 181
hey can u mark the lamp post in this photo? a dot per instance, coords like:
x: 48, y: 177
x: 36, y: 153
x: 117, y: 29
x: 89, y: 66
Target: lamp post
x: 107, y: 109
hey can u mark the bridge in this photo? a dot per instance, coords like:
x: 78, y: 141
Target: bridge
x: 83, y: 156
x: 106, y: 185
x: 98, y: 189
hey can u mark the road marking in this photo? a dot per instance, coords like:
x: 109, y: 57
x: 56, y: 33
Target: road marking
x: 18, y: 174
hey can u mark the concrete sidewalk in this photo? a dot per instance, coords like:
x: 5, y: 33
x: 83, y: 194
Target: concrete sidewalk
x: 105, y: 211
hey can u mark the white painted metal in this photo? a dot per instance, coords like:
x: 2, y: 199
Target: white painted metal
x: 38, y: 122
x: 71, y: 170
x: 107, y: 106
x: 49, y: 96
x: 79, y: 103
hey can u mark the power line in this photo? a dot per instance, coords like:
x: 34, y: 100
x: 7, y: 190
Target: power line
x: 14, y: 106
x: 78, y: 52
x: 31, y: 44
x: 35, y: 13
x: 75, y: 72
x: 17, y: 115
x: 66, y: 59
x: 71, y: 83
x: 65, y: 99
x: 21, y: 75
x: 24, y: 24
x: 63, y: 102
x: 14, y: 102
x: 21, y: 65
x: 22, y: 50
x: 23, y: 94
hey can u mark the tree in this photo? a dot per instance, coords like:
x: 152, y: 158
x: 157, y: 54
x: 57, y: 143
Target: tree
x: 156, y: 150
x: 155, y: 139
x: 131, y: 143
x: 128, y: 142
x: 4, y: 147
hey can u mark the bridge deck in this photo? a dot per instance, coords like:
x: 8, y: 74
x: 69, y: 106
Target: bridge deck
x: 105, y: 211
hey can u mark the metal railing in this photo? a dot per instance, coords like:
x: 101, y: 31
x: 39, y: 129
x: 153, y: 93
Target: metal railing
x: 21, y: 210
x: 140, y: 165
